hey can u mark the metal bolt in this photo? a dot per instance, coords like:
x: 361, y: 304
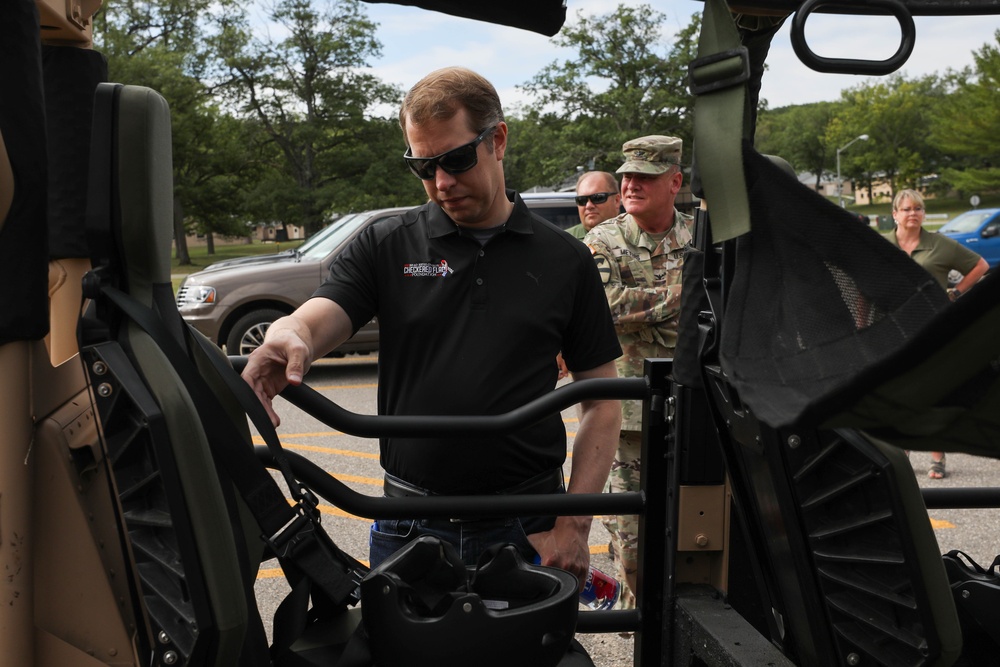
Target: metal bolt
x: 170, y: 657
x: 793, y: 442
x: 99, y: 368
x: 104, y: 390
x: 966, y: 594
x: 467, y: 608
x: 701, y: 540
x: 385, y: 590
x: 853, y: 659
x: 163, y: 637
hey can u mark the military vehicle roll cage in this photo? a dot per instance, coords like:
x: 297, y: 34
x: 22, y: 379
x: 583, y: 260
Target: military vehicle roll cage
x: 806, y: 543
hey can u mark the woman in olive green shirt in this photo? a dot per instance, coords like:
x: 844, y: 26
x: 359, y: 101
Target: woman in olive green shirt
x: 939, y: 255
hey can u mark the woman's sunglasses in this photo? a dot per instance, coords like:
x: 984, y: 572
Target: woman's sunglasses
x: 596, y: 198
x: 454, y: 161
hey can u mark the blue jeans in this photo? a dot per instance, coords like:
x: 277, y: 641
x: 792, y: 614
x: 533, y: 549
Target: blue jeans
x: 471, y: 538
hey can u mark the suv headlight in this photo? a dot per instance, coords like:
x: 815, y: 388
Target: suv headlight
x: 195, y: 295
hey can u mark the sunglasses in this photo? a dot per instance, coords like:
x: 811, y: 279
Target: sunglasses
x: 454, y: 161
x: 596, y: 198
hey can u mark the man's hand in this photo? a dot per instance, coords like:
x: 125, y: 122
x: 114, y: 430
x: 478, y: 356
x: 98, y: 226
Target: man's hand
x: 290, y: 346
x: 566, y: 546
x: 282, y: 360
x: 563, y: 371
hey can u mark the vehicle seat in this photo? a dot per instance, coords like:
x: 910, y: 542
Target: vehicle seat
x: 194, y: 544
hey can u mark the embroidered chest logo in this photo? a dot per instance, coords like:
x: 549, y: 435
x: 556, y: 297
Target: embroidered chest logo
x: 428, y: 270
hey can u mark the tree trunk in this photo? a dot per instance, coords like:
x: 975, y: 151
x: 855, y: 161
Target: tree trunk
x: 210, y: 241
x: 180, y: 234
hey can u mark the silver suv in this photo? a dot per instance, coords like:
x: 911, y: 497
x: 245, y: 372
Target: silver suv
x: 234, y: 302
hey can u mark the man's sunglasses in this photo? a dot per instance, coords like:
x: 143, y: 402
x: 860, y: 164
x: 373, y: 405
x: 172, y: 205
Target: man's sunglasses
x: 596, y: 198
x: 454, y: 161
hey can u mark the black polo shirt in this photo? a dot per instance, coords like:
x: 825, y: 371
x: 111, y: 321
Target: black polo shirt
x: 467, y: 329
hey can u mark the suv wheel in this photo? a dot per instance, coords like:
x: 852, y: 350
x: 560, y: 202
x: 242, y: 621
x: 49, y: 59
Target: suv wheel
x: 248, y: 332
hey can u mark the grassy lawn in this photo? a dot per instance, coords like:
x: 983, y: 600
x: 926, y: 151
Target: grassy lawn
x: 223, y: 251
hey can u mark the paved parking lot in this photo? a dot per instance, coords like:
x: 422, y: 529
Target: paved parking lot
x: 351, y: 383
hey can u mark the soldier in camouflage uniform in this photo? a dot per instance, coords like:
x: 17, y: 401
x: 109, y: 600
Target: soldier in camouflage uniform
x: 639, y: 255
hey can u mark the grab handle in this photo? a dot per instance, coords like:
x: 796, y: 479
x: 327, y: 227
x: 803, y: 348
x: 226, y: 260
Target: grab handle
x: 852, y: 65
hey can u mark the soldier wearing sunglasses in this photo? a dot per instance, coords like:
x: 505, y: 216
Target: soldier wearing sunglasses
x: 639, y: 255
x: 597, y: 200
x: 475, y: 296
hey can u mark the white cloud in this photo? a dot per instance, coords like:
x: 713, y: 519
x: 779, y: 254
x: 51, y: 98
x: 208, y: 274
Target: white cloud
x: 941, y: 43
x: 417, y: 41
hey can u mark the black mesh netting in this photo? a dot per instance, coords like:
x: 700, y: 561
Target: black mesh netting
x: 824, y: 315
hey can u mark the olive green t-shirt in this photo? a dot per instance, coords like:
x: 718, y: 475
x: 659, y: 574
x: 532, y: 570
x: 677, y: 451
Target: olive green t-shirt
x: 939, y: 255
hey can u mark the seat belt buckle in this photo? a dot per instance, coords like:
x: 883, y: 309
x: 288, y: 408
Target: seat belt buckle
x: 719, y: 71
x: 299, y: 529
x: 306, y: 501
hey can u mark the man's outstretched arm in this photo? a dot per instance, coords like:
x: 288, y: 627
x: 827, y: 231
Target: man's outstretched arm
x: 291, y: 345
x: 567, y: 544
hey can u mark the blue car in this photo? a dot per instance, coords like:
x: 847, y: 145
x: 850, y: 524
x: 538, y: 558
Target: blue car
x: 979, y: 230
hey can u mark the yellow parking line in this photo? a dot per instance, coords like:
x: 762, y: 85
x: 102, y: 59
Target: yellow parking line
x: 373, y: 481
x: 941, y: 523
x: 257, y: 440
x: 336, y: 511
x: 317, y: 434
x: 270, y: 573
x: 330, y: 450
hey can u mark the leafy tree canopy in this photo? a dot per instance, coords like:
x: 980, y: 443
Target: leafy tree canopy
x: 969, y: 127
x: 309, y: 94
x: 626, y: 80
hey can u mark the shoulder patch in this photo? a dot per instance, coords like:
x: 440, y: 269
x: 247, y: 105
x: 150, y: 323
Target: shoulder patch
x: 603, y: 268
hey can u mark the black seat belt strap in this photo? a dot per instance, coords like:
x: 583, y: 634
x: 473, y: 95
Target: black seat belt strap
x: 292, y: 532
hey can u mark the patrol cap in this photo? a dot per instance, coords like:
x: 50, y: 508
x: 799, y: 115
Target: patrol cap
x: 654, y: 154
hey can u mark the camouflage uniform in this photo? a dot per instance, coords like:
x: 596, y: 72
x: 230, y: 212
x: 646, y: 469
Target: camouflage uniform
x: 642, y: 280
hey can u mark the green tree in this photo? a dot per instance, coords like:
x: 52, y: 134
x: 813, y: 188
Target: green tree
x: 309, y: 95
x: 626, y: 80
x: 969, y: 131
x: 798, y: 134
x: 535, y: 154
x: 163, y: 45
x: 895, y: 113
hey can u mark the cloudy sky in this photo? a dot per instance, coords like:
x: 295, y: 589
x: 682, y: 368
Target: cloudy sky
x: 416, y: 41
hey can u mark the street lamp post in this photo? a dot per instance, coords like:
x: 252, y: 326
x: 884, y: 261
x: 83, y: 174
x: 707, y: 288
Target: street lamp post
x: 840, y: 184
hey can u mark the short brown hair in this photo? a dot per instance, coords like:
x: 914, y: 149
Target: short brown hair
x: 440, y: 95
x: 606, y: 177
x: 912, y: 195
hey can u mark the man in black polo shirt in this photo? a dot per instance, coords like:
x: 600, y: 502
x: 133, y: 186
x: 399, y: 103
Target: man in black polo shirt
x: 475, y: 297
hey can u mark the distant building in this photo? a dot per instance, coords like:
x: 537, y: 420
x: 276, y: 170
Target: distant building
x: 279, y: 233
x: 882, y: 191
x: 827, y: 186
x: 270, y: 233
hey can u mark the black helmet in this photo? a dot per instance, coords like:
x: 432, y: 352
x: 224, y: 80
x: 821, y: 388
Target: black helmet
x: 422, y: 606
